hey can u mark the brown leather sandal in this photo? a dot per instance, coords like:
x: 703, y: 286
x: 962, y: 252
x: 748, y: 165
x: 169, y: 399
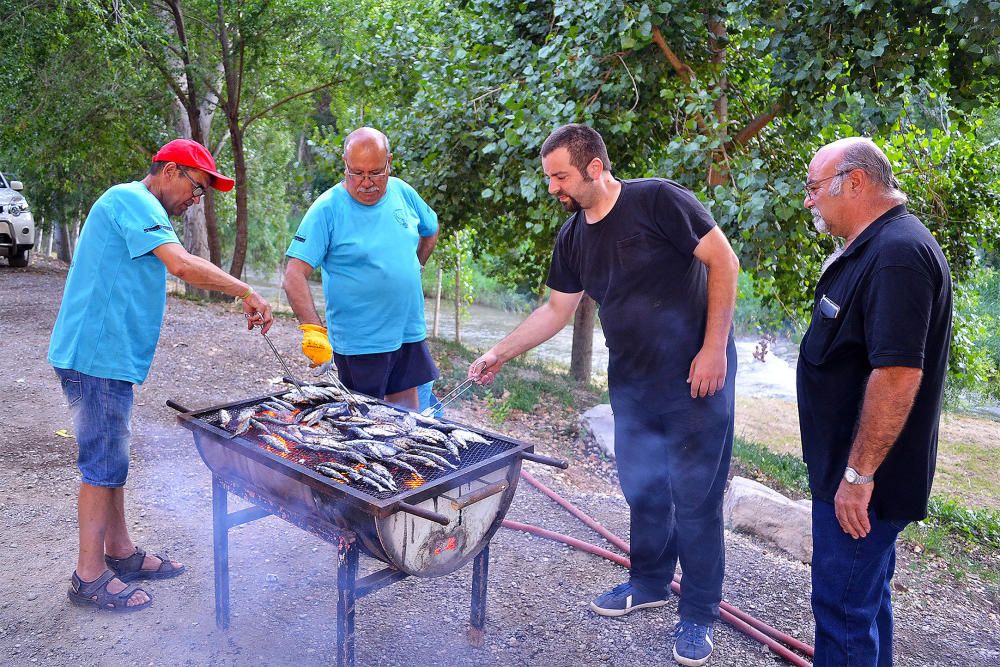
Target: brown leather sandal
x: 96, y: 594
x: 130, y: 568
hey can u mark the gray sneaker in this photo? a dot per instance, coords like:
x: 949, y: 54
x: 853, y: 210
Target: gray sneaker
x: 623, y: 599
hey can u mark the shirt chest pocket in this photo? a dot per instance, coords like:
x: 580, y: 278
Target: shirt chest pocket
x: 827, y: 323
x: 632, y: 253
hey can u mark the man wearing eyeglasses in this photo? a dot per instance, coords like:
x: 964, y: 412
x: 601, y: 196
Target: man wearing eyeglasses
x: 370, y: 234
x: 103, y: 343
x: 870, y: 378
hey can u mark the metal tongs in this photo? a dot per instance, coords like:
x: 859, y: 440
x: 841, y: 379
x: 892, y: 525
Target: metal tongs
x: 460, y: 389
x: 288, y: 373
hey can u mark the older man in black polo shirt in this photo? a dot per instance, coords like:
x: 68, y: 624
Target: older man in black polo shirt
x: 870, y: 377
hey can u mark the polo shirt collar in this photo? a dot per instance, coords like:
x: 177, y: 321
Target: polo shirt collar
x: 874, y: 228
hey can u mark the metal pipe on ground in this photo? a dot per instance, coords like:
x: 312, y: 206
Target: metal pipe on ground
x: 749, y: 625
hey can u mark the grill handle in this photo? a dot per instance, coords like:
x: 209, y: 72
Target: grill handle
x: 424, y: 514
x: 544, y: 460
x: 175, y: 406
x: 481, y: 493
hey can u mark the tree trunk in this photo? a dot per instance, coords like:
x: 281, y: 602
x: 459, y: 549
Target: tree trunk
x: 582, y: 355
x: 63, y: 250
x: 240, y: 167
x: 437, y: 301
x: 458, y: 299
x: 718, y: 171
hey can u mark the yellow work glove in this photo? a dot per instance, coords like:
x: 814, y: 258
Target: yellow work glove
x: 315, y: 344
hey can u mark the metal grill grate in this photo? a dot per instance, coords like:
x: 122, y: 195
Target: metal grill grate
x: 405, y: 479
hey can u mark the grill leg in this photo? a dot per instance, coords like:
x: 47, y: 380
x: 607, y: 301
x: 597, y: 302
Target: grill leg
x: 477, y: 619
x: 220, y: 533
x: 347, y: 573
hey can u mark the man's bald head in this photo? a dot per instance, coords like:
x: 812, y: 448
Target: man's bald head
x: 367, y: 160
x: 861, y: 153
x: 369, y: 138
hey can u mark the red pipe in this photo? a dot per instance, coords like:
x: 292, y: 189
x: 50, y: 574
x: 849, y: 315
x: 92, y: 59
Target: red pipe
x: 621, y: 544
x: 725, y: 615
x: 732, y: 615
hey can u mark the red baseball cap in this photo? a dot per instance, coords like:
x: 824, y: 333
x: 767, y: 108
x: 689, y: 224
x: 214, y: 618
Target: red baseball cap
x: 192, y: 154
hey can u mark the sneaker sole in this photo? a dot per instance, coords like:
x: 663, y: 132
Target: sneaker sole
x: 690, y: 662
x: 621, y: 612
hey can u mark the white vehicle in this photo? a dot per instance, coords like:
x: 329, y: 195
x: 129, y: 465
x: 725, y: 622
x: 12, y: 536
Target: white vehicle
x: 17, y: 227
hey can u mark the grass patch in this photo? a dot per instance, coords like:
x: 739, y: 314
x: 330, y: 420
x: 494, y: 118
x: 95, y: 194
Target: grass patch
x: 784, y: 472
x: 522, y: 386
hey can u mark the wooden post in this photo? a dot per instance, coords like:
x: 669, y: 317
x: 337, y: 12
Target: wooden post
x: 437, y: 301
x: 582, y: 354
x: 458, y: 299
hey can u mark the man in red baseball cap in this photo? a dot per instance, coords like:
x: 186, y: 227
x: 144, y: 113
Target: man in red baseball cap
x: 103, y: 344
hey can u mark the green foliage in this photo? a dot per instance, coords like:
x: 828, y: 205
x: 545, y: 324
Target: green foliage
x: 493, y: 82
x: 974, y: 365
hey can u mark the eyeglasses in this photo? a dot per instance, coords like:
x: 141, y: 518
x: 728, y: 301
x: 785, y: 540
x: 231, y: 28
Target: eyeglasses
x: 812, y: 188
x: 362, y: 175
x: 199, y: 189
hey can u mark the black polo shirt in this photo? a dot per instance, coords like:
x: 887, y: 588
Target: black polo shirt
x: 638, y: 264
x: 885, y: 302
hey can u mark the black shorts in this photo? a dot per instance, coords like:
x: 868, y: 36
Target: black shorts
x: 384, y: 373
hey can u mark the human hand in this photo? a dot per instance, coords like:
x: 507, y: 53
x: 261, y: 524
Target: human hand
x: 484, y: 369
x: 851, y: 507
x: 315, y: 344
x: 257, y: 312
x: 707, y: 374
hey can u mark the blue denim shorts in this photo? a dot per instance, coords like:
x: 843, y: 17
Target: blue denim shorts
x: 101, y: 409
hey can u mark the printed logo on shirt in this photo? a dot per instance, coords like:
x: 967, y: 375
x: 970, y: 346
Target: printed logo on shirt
x: 401, y: 218
x: 156, y: 227
x: 300, y: 239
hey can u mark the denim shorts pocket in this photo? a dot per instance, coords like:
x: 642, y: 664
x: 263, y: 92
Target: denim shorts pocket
x: 72, y: 386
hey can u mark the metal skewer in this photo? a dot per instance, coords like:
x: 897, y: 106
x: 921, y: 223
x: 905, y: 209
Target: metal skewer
x: 288, y: 373
x: 451, y: 395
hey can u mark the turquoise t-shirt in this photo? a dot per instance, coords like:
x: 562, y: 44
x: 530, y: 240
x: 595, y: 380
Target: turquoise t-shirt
x: 116, y: 290
x: 368, y: 256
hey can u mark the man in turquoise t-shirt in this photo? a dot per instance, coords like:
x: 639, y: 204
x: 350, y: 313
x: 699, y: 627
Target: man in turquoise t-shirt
x: 103, y: 343
x: 370, y: 234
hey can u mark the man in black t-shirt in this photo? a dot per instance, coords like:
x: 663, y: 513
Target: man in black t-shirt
x: 664, y: 275
x: 871, y: 372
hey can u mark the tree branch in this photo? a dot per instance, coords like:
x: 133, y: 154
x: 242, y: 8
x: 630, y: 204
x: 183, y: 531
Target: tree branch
x: 277, y: 104
x: 682, y: 69
x: 755, y: 126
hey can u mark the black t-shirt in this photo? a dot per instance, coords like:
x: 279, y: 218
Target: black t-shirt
x: 638, y: 264
x: 885, y: 302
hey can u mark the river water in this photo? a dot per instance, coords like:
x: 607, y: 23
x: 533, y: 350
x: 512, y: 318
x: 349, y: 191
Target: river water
x: 482, y: 326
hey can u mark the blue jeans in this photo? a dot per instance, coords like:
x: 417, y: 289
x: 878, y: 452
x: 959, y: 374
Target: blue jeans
x: 673, y: 468
x: 851, y: 594
x: 101, y: 409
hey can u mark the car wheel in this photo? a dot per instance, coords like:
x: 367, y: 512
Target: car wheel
x: 19, y: 259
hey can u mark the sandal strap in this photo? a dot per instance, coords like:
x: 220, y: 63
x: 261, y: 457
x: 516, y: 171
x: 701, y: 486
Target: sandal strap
x: 128, y: 564
x: 89, y: 588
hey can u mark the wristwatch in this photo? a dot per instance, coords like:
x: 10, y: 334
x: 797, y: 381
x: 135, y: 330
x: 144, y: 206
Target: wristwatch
x: 852, y: 476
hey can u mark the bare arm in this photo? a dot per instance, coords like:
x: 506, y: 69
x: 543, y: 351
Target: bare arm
x: 296, y: 284
x: 707, y: 374
x: 425, y: 247
x: 202, y: 274
x: 888, y: 400
x: 544, y: 323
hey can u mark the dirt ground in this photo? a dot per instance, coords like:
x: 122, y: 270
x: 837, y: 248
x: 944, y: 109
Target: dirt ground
x: 283, y: 580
